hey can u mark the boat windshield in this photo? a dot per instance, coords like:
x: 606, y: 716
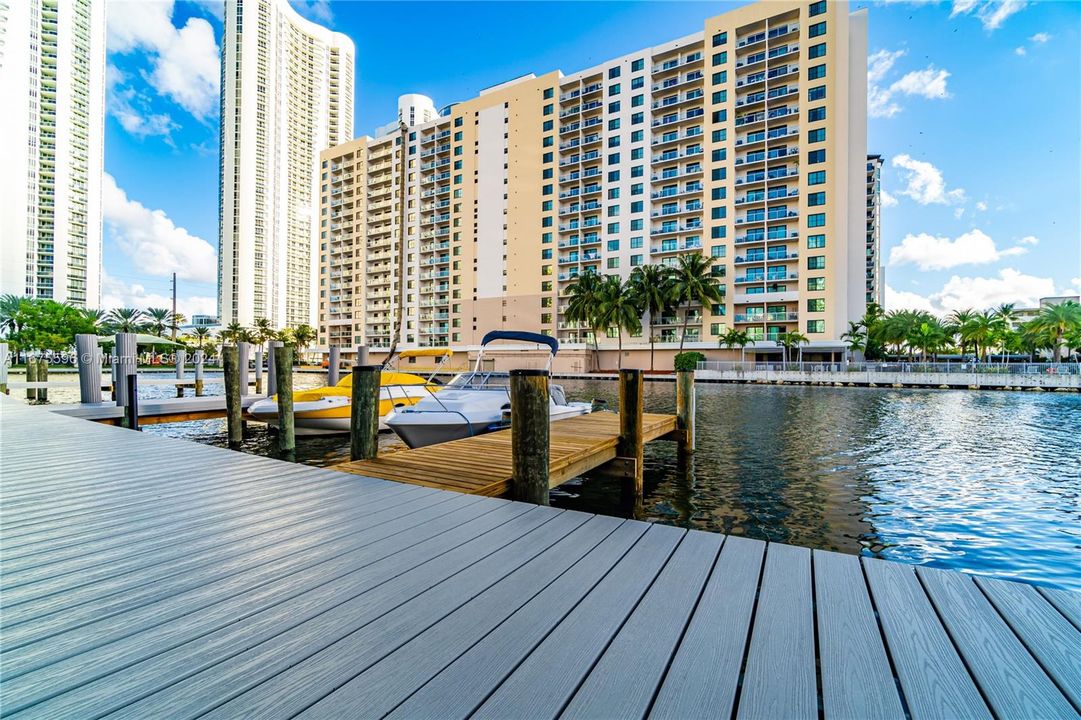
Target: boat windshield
x: 480, y: 380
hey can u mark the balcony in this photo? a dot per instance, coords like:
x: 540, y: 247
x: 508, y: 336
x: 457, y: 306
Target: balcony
x: 675, y: 82
x: 767, y: 278
x: 671, y: 155
x: 671, y: 247
x: 757, y: 318
x: 756, y: 259
x: 694, y: 207
x: 690, y: 189
x: 676, y: 100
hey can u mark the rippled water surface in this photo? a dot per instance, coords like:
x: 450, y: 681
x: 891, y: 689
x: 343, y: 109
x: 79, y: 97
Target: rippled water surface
x: 987, y: 482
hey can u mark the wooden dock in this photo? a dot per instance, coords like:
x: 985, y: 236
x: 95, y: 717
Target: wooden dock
x: 148, y: 577
x: 481, y: 465
x: 152, y: 412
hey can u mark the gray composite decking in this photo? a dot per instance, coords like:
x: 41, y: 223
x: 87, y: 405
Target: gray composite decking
x: 147, y: 577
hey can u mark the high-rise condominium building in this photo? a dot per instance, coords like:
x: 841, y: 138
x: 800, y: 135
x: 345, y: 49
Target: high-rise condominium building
x: 876, y: 281
x: 52, y: 70
x: 746, y: 141
x: 287, y: 94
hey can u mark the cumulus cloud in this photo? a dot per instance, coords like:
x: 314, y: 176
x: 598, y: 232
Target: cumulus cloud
x: 981, y: 206
x: 1030, y: 240
x: 154, y: 243
x: 888, y: 200
x: 184, y: 62
x: 1020, y: 51
x: 314, y: 10
x: 929, y: 252
x: 116, y: 293
x: 958, y: 293
x: 991, y: 13
x: 1040, y: 38
x: 882, y: 100
x: 924, y: 182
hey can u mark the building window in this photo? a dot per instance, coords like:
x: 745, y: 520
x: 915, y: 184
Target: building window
x: 818, y: 198
x: 613, y: 107
x: 817, y: 8
x: 613, y: 228
x: 718, y: 213
x: 546, y: 254
x: 613, y: 72
x: 720, y: 96
x: 548, y: 93
x: 636, y: 224
x: 613, y: 263
x: 636, y: 260
x: 818, y: 135
x: 720, y: 77
x: 637, y: 189
x: 818, y: 177
x: 720, y: 39
x: 816, y: 262
x: 816, y: 93
x: 613, y: 193
x: 547, y: 157
x: 546, y: 190
x: 613, y: 89
x: 613, y: 159
x: 816, y: 51
x: 637, y: 206
x: 637, y: 171
x: 547, y: 127
x: 816, y: 114
x: 613, y: 245
x: 613, y: 176
x: 546, y: 222
x: 613, y: 124
x: 817, y: 30
x: 816, y: 284
x: 720, y: 58
x: 637, y: 65
x: 719, y: 135
x: 636, y: 243
x: 637, y: 136
x: 638, y: 100
x: 638, y: 118
x: 717, y: 251
x: 816, y: 326
x: 548, y: 142
x: 816, y: 305
x: 720, y: 116
x: 816, y: 156
x: 546, y: 174
x: 816, y: 71
x: 548, y: 109
x: 458, y: 122
x: 815, y: 242
x: 638, y: 82
x: 613, y: 211
x: 816, y: 220
x: 717, y: 232
x: 637, y: 153
x: 546, y: 206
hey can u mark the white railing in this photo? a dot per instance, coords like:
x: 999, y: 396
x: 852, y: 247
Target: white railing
x: 952, y: 367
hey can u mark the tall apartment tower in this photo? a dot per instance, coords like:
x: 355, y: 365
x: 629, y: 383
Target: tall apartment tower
x: 746, y: 141
x: 287, y: 94
x: 876, y: 281
x: 52, y: 71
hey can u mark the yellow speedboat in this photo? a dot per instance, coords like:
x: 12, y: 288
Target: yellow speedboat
x: 325, y: 410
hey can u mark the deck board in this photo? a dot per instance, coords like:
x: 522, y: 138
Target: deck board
x: 481, y: 465
x: 257, y: 588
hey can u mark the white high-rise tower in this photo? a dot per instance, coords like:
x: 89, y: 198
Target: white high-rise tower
x: 287, y: 94
x: 52, y: 72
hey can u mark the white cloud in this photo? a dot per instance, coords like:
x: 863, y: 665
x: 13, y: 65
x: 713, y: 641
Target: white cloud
x: 929, y: 252
x: 139, y: 121
x: 929, y: 83
x: 1020, y: 51
x: 992, y: 13
x: 1030, y: 240
x: 184, y: 62
x: 1040, y: 38
x: 888, y: 200
x: 981, y: 206
x: 154, y: 243
x: 958, y: 293
x: 959, y: 213
x: 117, y: 294
x: 924, y: 182
x: 314, y: 10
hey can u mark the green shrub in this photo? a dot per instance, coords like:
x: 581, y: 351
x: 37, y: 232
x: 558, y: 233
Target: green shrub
x: 688, y: 360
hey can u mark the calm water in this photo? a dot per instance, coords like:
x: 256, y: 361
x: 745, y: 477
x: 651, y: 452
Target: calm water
x: 988, y: 482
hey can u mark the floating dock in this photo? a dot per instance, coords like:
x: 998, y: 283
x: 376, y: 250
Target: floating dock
x: 481, y: 465
x: 146, y: 576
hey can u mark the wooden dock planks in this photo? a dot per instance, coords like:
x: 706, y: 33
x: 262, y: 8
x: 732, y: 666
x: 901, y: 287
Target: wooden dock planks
x: 378, y: 599
x: 481, y: 465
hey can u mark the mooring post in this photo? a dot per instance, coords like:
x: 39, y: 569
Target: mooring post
x: 88, y: 359
x: 333, y: 359
x: 199, y: 358
x: 131, y: 410
x: 685, y: 397
x: 283, y: 377
x: 271, y: 378
x: 631, y: 445
x: 259, y: 370
x: 31, y: 377
x: 5, y: 361
x: 112, y: 376
x: 125, y: 349
x: 43, y: 377
x: 530, y: 435
x: 233, y: 408
x: 364, y: 413
x: 181, y: 358
x: 362, y: 355
x: 242, y: 354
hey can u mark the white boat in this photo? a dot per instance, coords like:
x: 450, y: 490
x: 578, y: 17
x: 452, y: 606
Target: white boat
x: 326, y: 410
x: 475, y: 402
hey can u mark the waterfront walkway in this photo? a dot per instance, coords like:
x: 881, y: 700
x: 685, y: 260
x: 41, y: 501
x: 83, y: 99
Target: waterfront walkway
x: 152, y: 577
x: 481, y: 465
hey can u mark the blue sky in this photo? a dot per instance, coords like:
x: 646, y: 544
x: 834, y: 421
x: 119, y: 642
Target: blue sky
x: 975, y: 107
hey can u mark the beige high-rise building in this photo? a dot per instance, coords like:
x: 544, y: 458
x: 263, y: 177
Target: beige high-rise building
x: 746, y: 141
x: 287, y: 94
x: 876, y: 281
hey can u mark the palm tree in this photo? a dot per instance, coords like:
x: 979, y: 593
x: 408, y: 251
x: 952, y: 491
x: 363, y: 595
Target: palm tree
x: 855, y: 337
x: 584, y: 305
x: 9, y: 313
x: 232, y: 332
x: 263, y: 330
x: 620, y: 309
x: 160, y: 318
x: 929, y: 336
x: 175, y: 321
x: 125, y: 320
x: 735, y: 338
x: 201, y: 335
x: 956, y: 322
x: 980, y: 331
x: 97, y: 317
x: 303, y: 336
x: 789, y: 340
x: 1058, y: 321
x: 693, y: 283
x: 652, y: 286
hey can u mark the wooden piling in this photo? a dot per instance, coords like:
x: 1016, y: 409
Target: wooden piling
x: 685, y: 402
x: 31, y: 377
x: 362, y: 355
x: 88, y: 360
x: 5, y: 363
x: 126, y: 358
x: 243, y: 352
x: 131, y: 410
x: 43, y: 376
x: 259, y: 370
x: 233, y: 408
x: 283, y: 378
x: 530, y: 435
x: 333, y: 360
x: 271, y: 378
x: 364, y: 413
x: 181, y: 358
x: 199, y: 359
x: 631, y: 445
